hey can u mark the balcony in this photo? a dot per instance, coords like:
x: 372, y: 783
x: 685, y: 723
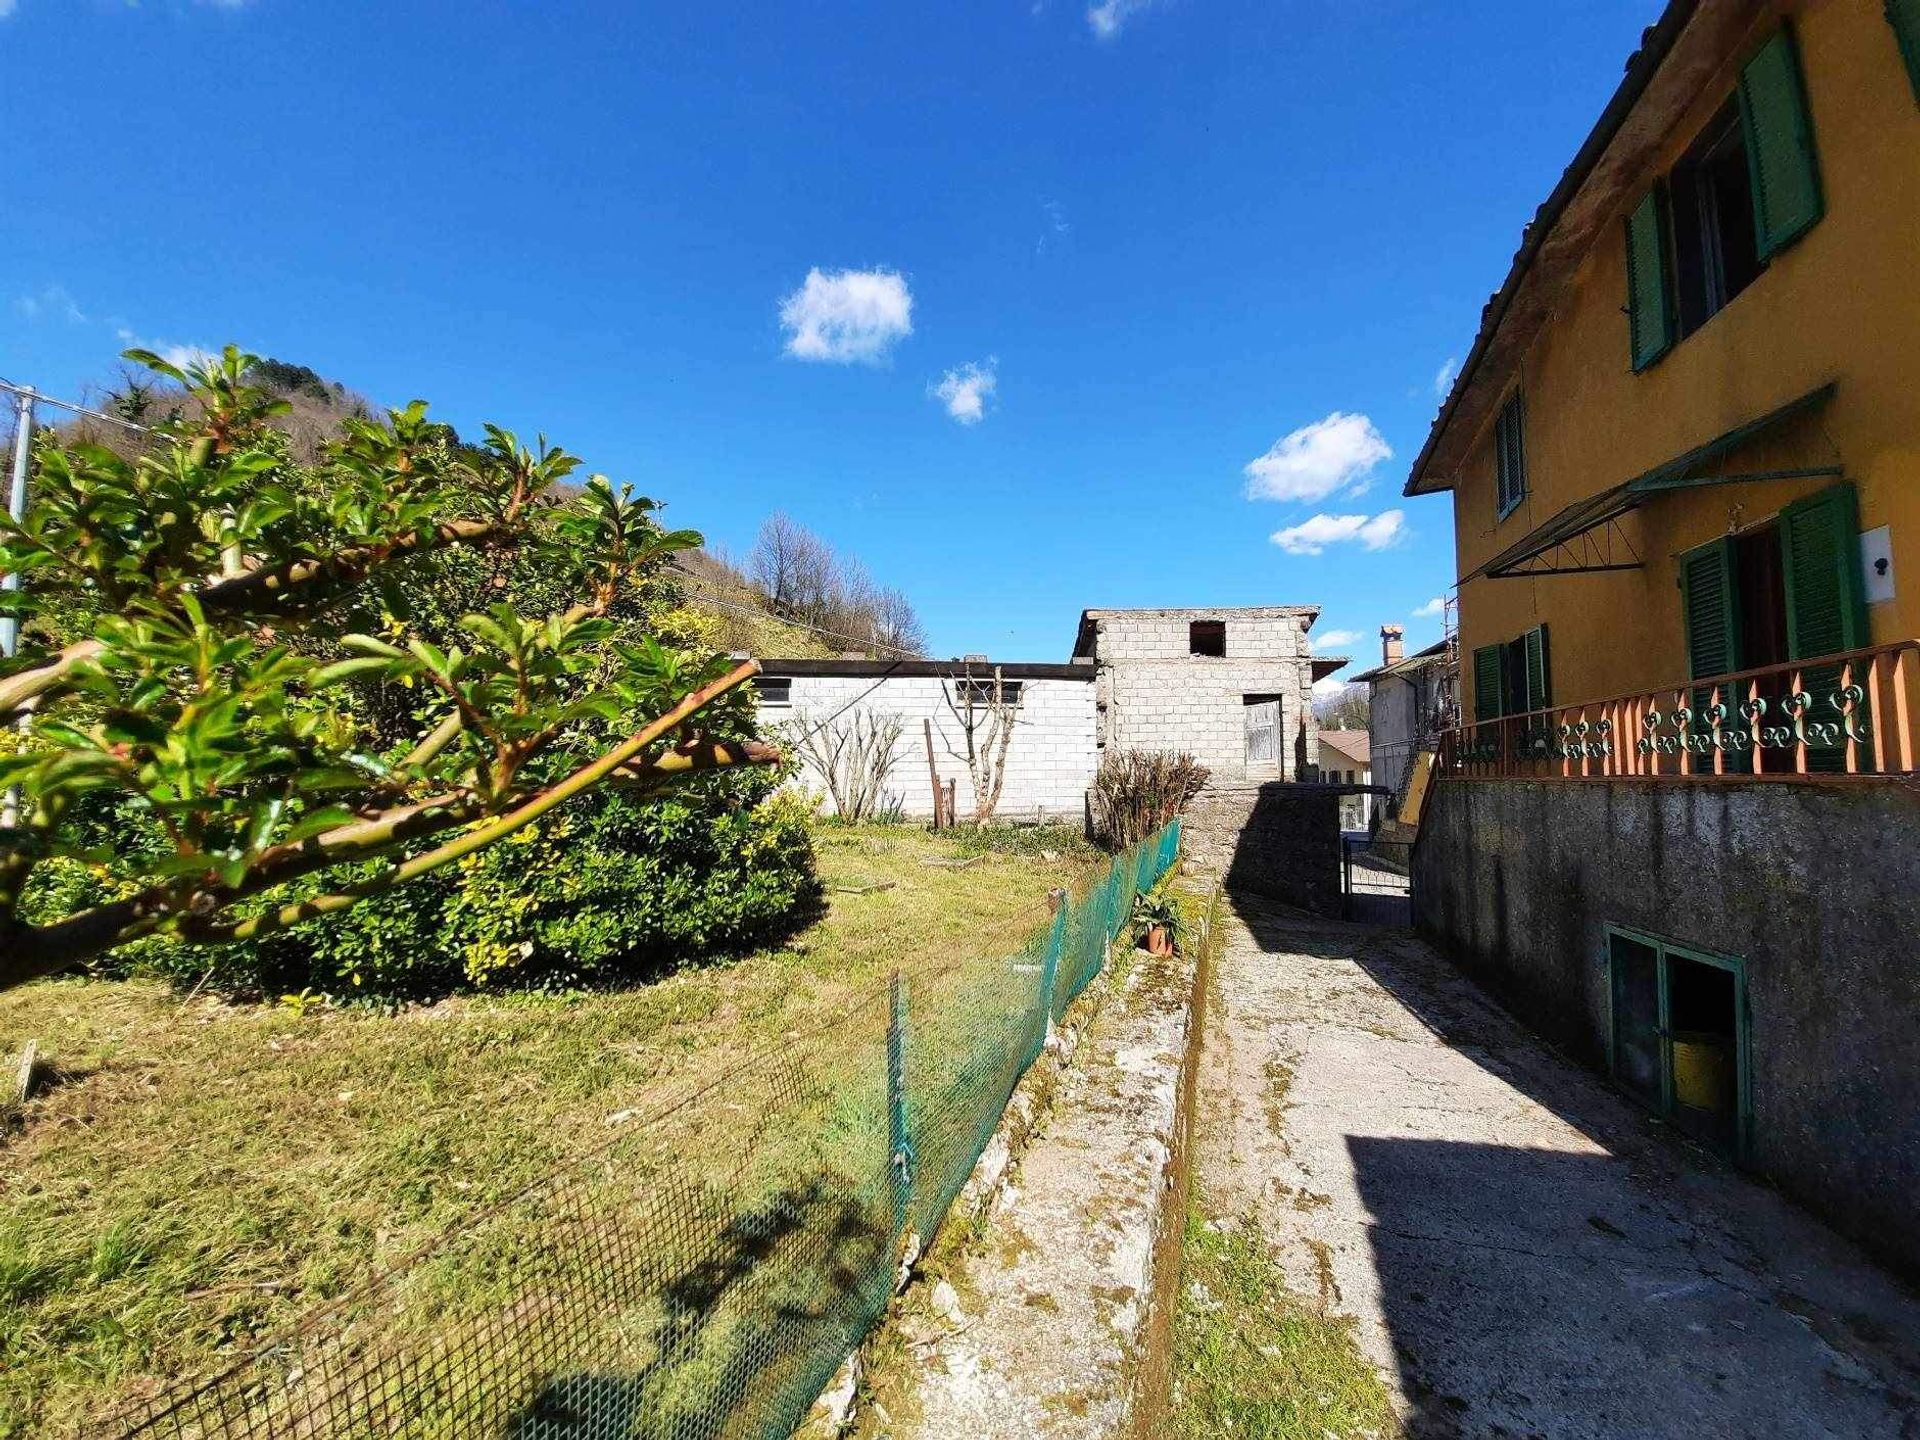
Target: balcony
x: 1836, y: 717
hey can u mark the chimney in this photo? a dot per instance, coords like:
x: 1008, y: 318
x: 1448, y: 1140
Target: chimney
x: 1391, y: 651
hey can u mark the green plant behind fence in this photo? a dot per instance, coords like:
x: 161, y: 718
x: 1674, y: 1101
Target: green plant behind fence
x: 661, y: 1290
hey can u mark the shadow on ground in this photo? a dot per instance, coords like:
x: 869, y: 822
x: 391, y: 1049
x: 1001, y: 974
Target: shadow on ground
x: 744, y: 1338
x: 1593, y: 1277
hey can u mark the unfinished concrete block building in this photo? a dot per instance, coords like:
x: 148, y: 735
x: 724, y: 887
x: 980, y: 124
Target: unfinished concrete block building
x: 1233, y: 688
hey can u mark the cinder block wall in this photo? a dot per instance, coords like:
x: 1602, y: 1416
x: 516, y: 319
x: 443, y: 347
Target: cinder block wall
x: 1050, y: 759
x: 1157, y: 695
x: 1811, y: 885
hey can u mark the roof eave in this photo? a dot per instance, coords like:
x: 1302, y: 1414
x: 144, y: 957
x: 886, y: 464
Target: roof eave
x: 1655, y: 45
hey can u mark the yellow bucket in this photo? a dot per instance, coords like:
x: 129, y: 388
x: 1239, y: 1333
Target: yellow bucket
x: 1703, y: 1071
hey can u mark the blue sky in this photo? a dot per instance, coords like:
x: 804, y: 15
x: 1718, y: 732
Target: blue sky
x: 1032, y: 305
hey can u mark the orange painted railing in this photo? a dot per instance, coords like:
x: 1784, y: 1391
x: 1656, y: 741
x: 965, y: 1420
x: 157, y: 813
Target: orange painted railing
x: 1849, y: 714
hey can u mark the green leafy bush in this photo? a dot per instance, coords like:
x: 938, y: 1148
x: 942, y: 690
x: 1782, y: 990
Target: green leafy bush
x: 607, y: 891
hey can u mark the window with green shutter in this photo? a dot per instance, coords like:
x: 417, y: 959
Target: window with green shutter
x: 1649, y: 289
x: 1787, y: 201
x: 1487, y: 682
x: 1510, y: 455
x: 1904, y: 16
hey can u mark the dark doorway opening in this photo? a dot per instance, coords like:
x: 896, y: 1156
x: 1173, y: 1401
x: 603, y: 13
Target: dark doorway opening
x: 1704, y: 1034
x: 1679, y: 1038
x: 1760, y: 580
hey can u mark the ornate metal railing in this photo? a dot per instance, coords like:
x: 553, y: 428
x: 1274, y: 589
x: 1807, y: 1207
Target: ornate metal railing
x: 1848, y: 714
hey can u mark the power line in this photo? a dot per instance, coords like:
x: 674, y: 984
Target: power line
x: 38, y: 397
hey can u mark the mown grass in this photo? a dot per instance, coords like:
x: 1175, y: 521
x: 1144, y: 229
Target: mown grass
x: 1252, y: 1361
x: 197, y: 1174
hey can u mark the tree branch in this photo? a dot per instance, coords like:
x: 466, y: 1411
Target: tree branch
x: 270, y: 590
x: 278, y: 588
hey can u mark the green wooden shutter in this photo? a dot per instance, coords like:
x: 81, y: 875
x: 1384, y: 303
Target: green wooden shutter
x: 1826, y: 607
x: 1904, y: 16
x: 1779, y: 135
x: 1649, y: 289
x: 1486, y: 683
x: 1711, y: 609
x: 1820, y: 552
x: 1712, y: 617
x: 1510, y: 454
x: 1539, y: 669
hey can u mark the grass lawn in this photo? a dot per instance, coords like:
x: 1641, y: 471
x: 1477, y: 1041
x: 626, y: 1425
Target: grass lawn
x: 1252, y: 1361
x: 195, y: 1174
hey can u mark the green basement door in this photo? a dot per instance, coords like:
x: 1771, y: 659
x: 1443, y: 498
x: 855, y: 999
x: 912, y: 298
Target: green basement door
x: 1679, y: 1038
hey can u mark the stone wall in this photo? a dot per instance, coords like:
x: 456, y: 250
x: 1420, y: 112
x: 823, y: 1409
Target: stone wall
x: 1049, y: 761
x: 1813, y: 885
x: 1276, y: 839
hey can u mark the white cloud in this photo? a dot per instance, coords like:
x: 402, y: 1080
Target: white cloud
x: 1311, y: 537
x: 1338, y: 453
x: 846, y: 316
x: 1110, y: 16
x: 7, y: 7
x: 1443, y: 377
x: 1433, y: 607
x: 180, y: 355
x: 49, y: 302
x: 964, y: 390
x: 1334, y: 639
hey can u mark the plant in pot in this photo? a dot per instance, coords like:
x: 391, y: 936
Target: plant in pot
x: 1158, y: 921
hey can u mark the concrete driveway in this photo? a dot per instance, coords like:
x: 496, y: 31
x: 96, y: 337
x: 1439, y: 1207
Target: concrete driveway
x: 1522, y: 1252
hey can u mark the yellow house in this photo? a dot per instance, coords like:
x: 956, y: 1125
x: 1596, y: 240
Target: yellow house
x: 1686, y: 440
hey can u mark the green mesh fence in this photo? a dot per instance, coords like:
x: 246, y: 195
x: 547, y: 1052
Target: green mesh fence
x: 668, y: 1288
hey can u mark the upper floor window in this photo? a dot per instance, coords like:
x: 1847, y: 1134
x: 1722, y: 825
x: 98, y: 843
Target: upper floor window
x: 1748, y: 188
x: 1510, y: 454
x: 1716, y: 253
x: 1207, y: 637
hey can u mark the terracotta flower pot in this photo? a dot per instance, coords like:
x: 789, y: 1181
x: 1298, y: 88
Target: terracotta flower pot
x: 1159, y: 942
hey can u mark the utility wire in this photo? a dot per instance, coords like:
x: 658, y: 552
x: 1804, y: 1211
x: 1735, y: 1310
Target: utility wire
x: 42, y: 398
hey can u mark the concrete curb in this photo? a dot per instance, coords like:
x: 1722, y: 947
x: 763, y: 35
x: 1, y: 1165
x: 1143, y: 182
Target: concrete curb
x: 1153, y: 1380
x: 832, y: 1415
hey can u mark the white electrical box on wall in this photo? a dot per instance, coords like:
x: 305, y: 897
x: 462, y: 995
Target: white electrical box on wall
x: 1876, y: 564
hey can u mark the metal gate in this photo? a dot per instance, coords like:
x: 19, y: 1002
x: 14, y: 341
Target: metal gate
x: 1375, y: 880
